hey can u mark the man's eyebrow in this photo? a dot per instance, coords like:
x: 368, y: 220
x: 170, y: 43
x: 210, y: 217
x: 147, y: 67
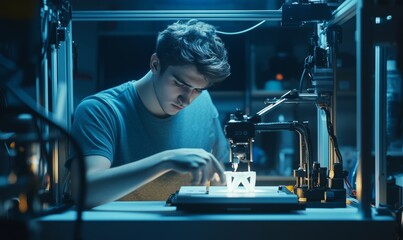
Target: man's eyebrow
x: 185, y: 83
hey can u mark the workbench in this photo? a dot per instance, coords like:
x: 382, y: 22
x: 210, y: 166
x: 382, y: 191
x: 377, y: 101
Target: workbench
x: 155, y: 220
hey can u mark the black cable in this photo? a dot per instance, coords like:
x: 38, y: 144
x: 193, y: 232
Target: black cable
x: 301, y: 81
x: 333, y: 138
x: 42, y: 143
x: 48, y: 118
x: 306, y: 72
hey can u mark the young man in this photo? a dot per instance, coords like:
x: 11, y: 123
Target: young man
x: 136, y: 132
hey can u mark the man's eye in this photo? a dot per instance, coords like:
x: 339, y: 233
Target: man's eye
x: 198, y: 90
x: 179, y: 84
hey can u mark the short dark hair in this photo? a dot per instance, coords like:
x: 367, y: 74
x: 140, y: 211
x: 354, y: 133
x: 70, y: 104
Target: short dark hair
x: 194, y: 42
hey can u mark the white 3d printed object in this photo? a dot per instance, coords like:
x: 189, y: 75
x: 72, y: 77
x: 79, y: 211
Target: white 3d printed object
x: 235, y: 179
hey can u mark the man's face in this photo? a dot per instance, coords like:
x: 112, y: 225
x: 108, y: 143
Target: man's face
x: 177, y: 87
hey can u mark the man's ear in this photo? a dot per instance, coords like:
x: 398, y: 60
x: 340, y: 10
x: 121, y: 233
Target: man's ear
x: 154, y: 63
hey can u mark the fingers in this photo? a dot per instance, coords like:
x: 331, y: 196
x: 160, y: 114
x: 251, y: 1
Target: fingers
x: 201, y: 164
x: 205, y: 174
x: 212, y: 170
x: 219, y: 171
x: 196, y: 177
x: 200, y: 175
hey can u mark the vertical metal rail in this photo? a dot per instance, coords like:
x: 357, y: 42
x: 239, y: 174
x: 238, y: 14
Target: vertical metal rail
x: 251, y: 74
x: 69, y: 80
x: 42, y: 99
x: 54, y: 150
x: 324, y: 144
x: 323, y: 139
x: 59, y: 106
x: 333, y: 98
x: 63, y: 102
x: 365, y: 112
x: 42, y: 86
x: 380, y: 124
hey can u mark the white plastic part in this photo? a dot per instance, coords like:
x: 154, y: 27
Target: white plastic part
x: 235, y: 179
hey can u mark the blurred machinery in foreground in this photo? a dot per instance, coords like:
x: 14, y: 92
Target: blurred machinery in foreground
x: 21, y: 164
x: 33, y: 114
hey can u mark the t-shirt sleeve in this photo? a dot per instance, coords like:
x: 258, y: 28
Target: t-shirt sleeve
x: 93, y: 128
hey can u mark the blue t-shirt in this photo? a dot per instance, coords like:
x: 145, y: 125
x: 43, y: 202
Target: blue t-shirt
x: 115, y: 124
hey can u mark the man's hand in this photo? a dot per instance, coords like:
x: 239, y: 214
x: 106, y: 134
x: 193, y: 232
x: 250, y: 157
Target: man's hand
x: 200, y: 163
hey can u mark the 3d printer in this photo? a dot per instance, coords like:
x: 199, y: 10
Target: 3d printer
x: 314, y: 184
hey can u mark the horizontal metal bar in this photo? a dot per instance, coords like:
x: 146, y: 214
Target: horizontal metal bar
x: 347, y: 11
x: 344, y: 12
x: 161, y: 15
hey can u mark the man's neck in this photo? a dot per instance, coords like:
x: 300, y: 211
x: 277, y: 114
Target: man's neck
x: 146, y: 91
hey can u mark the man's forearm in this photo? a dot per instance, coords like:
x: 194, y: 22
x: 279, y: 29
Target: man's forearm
x: 110, y: 184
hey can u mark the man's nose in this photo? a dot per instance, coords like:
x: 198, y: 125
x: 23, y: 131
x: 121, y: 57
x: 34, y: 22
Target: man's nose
x: 187, y: 96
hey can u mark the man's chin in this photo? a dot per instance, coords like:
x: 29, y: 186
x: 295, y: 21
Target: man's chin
x: 171, y: 112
